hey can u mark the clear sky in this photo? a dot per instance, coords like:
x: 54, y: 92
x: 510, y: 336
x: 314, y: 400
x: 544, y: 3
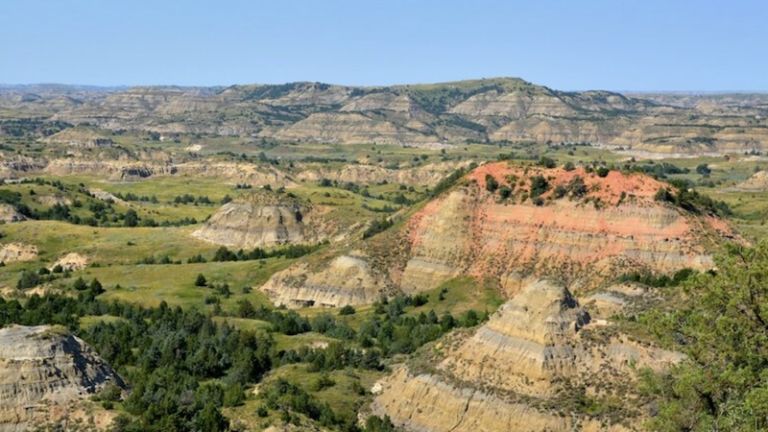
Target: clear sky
x: 566, y: 44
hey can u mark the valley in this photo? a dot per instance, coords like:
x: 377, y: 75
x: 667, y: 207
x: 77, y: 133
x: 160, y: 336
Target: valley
x: 480, y: 255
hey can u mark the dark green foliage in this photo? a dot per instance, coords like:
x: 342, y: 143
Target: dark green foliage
x: 378, y: 424
x: 539, y: 185
x: 576, y: 187
x: 490, y: 183
x: 80, y: 284
x: 658, y: 170
x: 377, y: 226
x: 131, y: 218
x: 569, y: 166
x: 164, y: 353
x: 560, y: 191
x: 703, y: 169
x: 602, y: 171
x: 281, y: 395
x: 505, y: 192
x: 289, y: 251
x: 719, y: 319
x: 322, y: 382
x: 347, y: 310
x: 692, y: 201
x: 28, y: 279
x: 657, y: 280
x: 547, y: 162
x: 200, y: 281
x: 447, y: 182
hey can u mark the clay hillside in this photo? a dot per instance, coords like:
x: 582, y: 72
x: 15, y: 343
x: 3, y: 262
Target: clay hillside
x: 505, y: 222
x: 262, y: 219
x: 488, y: 110
x: 46, y: 378
x: 529, y: 368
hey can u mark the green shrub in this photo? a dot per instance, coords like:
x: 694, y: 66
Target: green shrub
x: 547, y: 162
x: 539, y: 186
x: 490, y: 183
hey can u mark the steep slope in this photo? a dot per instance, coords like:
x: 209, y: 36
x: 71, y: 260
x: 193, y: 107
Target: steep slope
x: 575, y: 226
x: 597, y: 226
x: 518, y: 371
x: 44, y: 374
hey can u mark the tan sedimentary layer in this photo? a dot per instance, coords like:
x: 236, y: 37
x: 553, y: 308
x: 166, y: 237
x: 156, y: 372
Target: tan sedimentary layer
x: 510, y: 373
x: 262, y: 219
x: 43, y: 371
x: 14, y: 252
x: 426, y: 175
x: 347, y: 280
x: 616, y: 227
x: 469, y: 231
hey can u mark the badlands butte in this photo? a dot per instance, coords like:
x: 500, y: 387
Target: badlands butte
x: 487, y: 255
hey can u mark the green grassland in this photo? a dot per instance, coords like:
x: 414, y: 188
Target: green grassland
x: 115, y: 253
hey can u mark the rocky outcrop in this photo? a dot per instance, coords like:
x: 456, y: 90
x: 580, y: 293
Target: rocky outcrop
x: 426, y: 175
x: 758, y: 182
x: 8, y: 213
x: 614, y: 223
x: 16, y: 252
x: 347, y: 280
x: 352, y: 128
x: 263, y: 219
x: 44, y: 373
x: 514, y: 372
x: 80, y: 138
x: 72, y: 261
x: 121, y: 170
x: 582, y: 229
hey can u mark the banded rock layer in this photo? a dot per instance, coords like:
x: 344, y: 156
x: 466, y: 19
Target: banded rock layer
x: 513, y: 372
x: 594, y: 231
x: 264, y: 219
x: 43, y: 371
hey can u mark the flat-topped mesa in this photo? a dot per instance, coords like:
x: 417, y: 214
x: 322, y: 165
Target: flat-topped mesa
x: 570, y: 224
x: 44, y: 373
x: 262, y: 219
x: 529, y: 355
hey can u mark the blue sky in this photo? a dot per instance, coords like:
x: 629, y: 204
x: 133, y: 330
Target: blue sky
x: 573, y: 45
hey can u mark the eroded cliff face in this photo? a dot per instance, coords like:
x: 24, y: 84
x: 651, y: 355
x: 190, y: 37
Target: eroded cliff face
x: 15, y: 252
x: 596, y: 227
x: 262, y: 219
x: 9, y: 214
x: 346, y: 280
x: 45, y: 374
x: 517, y: 371
x: 582, y: 229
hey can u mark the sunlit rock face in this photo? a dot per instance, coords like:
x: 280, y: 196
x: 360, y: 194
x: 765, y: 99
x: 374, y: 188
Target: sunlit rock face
x: 615, y: 223
x: 44, y: 374
x: 583, y: 230
x: 263, y: 219
x: 512, y: 372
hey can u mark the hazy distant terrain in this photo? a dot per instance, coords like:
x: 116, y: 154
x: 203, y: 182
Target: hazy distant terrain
x: 491, y: 110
